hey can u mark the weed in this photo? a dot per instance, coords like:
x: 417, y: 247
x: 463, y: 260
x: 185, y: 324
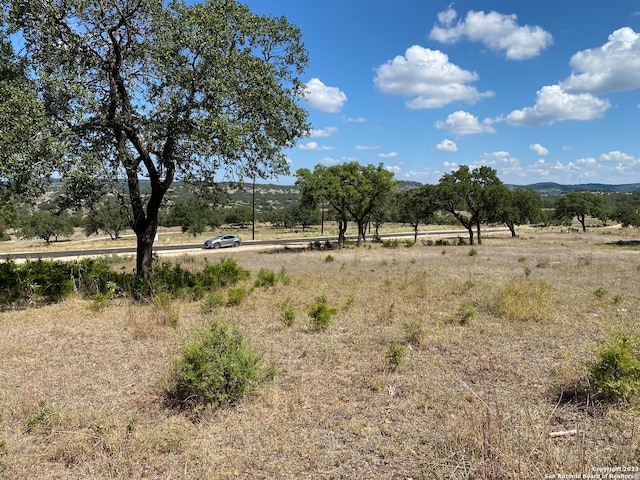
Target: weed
x: 98, y: 302
x: 164, y: 311
x: 235, y: 296
x: 395, y: 355
x: 320, y: 313
x: 283, y: 276
x: 473, y: 252
x: 266, y: 278
x: 218, y: 368
x: 465, y: 314
x: 527, y: 271
x: 525, y: 299
x: 211, y: 302
x: 390, y: 243
x: 616, y: 372
x: 617, y: 299
x: 600, y: 293
x: 414, y: 332
x: 522, y: 259
x: 409, y: 243
x: 329, y: 258
x: 288, y: 313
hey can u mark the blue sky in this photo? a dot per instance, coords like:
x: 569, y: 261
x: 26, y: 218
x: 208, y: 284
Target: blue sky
x: 541, y: 91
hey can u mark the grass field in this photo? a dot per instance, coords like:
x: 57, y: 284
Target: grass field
x: 442, y: 362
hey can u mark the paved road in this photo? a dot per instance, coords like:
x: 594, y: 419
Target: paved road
x: 198, y: 246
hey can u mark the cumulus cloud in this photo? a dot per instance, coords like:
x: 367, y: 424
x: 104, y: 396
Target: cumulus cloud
x: 463, y: 123
x: 428, y: 78
x: 553, y: 104
x: 613, y: 67
x: 538, y: 150
x: 314, y: 146
x: 496, y: 31
x: 447, y: 145
x: 323, y: 132
x: 388, y: 155
x: 323, y: 97
x: 617, y: 156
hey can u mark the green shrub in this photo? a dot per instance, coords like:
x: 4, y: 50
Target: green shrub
x: 600, y: 293
x: 320, y: 313
x: 283, y: 276
x: 396, y: 355
x: 288, y: 313
x: 473, y: 252
x: 409, y: 243
x: 266, y: 278
x: 329, y: 258
x: 414, y: 332
x: 211, y: 302
x: 225, y: 273
x: 218, y: 368
x: 235, y: 296
x: 390, y: 243
x: 615, y: 374
x: 164, y: 311
x: 525, y: 299
x: 465, y: 314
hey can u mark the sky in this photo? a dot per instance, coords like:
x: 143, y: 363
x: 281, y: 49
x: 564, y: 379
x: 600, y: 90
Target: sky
x: 544, y: 91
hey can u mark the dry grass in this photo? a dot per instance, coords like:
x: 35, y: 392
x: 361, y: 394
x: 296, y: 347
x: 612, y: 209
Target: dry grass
x: 82, y: 391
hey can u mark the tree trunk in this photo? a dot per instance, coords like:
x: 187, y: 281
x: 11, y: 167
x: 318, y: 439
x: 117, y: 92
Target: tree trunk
x: 512, y: 228
x: 342, y: 230
x: 470, y: 229
x: 415, y: 234
x: 582, y: 220
x: 479, y: 236
x: 144, y: 251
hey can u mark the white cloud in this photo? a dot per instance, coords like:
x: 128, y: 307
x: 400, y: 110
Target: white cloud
x: 497, y: 31
x: 428, y: 78
x: 613, y: 67
x: 314, y: 146
x: 323, y: 132
x: 393, y: 168
x: 367, y: 147
x: 447, y: 145
x: 356, y: 119
x: 323, y: 97
x: 619, y: 157
x: 388, y: 155
x: 538, y: 150
x: 463, y: 123
x: 587, y: 161
x: 554, y: 104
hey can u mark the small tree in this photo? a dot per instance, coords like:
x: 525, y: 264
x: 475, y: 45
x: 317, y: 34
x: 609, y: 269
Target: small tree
x: 519, y: 207
x: 580, y: 205
x: 417, y: 206
x: 45, y: 224
x: 109, y: 217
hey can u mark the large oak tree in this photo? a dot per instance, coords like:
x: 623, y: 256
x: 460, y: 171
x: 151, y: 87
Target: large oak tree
x: 159, y: 91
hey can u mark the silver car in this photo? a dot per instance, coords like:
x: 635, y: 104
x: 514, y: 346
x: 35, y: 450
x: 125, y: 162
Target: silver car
x: 221, y: 241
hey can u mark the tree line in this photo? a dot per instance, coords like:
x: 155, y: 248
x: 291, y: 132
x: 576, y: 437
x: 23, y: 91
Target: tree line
x: 348, y: 193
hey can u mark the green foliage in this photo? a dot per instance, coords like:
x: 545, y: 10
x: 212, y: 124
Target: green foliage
x: 211, y: 302
x: 464, y: 315
x: 45, y: 225
x: 600, y: 293
x: 283, y: 276
x: 288, y: 313
x: 225, y: 273
x: 409, y: 243
x: 329, y: 258
x: 218, y: 368
x: 473, y: 252
x: 320, y: 313
x: 527, y: 270
x: 396, y: 355
x: 615, y: 374
x: 163, y: 310
x: 414, y: 332
x: 393, y: 243
x: 235, y: 296
x: 525, y: 299
x: 266, y: 278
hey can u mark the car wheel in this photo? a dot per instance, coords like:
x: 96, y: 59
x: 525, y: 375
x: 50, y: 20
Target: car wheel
x: 236, y: 243
x: 216, y: 245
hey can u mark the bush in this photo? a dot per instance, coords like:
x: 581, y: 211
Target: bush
x: 320, y: 313
x: 525, y: 299
x: 218, y: 368
x: 615, y: 374
x: 396, y: 355
x: 225, y: 273
x: 390, y: 243
x: 235, y: 296
x: 211, y: 302
x: 288, y: 314
x: 266, y: 278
